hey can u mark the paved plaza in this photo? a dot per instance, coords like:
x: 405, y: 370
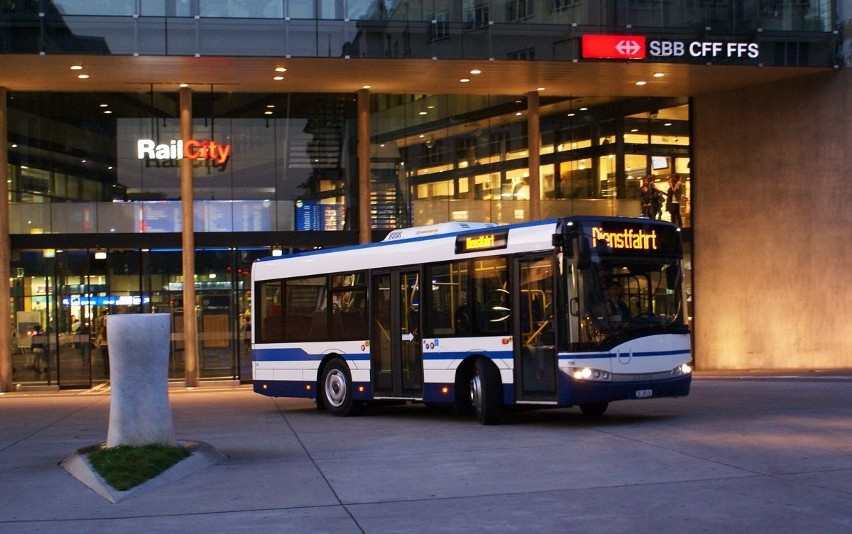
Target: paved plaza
x: 740, y: 454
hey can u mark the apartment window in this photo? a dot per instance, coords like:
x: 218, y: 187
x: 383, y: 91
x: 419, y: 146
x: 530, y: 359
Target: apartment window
x: 527, y: 54
x: 519, y: 9
x: 476, y: 17
x: 440, y: 28
x: 564, y: 5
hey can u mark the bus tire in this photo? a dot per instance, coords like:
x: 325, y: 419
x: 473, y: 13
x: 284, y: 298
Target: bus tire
x: 337, y: 389
x: 594, y: 409
x: 486, y: 392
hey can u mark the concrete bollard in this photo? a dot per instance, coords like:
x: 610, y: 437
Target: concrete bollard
x: 139, y: 413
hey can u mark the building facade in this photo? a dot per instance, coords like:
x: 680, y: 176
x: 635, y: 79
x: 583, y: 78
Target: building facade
x: 140, y: 129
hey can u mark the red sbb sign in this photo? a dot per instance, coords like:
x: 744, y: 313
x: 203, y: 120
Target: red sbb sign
x: 613, y: 47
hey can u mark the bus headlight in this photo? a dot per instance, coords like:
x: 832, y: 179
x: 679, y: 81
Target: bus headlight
x: 681, y: 370
x: 587, y: 373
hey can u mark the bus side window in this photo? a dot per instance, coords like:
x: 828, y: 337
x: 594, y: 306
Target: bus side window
x: 270, y: 312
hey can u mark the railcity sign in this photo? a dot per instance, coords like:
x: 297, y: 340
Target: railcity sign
x: 194, y: 149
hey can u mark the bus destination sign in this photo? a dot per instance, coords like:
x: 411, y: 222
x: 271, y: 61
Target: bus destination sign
x: 625, y: 239
x: 481, y: 241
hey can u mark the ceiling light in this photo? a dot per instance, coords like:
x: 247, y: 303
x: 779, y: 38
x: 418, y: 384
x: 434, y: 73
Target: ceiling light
x: 278, y: 78
x: 82, y: 76
x: 107, y: 112
x: 76, y: 67
x: 465, y: 80
x: 104, y: 105
x: 475, y: 71
x: 641, y: 82
x: 422, y: 113
x: 183, y: 85
x: 539, y: 89
x: 367, y: 87
x: 280, y: 69
x: 659, y: 74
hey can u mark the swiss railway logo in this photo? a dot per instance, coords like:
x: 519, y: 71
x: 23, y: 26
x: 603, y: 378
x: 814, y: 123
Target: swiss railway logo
x: 628, y: 47
x: 613, y: 47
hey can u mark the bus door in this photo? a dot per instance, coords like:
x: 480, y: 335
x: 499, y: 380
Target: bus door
x: 396, y: 357
x: 534, y: 329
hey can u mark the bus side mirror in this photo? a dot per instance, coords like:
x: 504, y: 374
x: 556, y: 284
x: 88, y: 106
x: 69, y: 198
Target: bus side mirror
x: 583, y: 253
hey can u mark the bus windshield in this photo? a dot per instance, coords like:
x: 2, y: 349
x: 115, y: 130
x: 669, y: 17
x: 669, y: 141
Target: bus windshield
x: 628, y: 292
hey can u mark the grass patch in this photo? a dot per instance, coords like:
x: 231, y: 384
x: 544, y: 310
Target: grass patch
x: 125, y: 467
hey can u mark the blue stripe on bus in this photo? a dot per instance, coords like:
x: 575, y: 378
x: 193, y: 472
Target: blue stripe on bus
x: 295, y: 354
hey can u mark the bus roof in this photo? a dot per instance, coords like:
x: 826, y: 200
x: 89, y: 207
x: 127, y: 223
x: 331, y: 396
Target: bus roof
x: 435, y: 229
x: 423, y: 244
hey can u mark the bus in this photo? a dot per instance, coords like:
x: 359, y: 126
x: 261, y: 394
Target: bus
x: 573, y: 311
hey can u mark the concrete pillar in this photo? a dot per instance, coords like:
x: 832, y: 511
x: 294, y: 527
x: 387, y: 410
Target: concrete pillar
x: 534, y: 151
x: 364, y: 226
x: 5, y: 254
x: 139, y: 412
x: 190, y: 327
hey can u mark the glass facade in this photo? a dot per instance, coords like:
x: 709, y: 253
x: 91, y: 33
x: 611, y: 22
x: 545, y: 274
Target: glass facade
x: 444, y: 29
x: 94, y: 180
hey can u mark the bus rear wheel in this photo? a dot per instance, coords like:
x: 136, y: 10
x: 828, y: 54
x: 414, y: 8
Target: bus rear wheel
x: 337, y: 389
x: 486, y: 394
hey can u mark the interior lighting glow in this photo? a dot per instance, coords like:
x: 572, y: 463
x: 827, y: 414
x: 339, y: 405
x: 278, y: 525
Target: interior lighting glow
x: 76, y: 67
x: 83, y: 76
x: 278, y: 78
x: 659, y: 74
x: 641, y: 82
x: 475, y: 71
x: 280, y: 69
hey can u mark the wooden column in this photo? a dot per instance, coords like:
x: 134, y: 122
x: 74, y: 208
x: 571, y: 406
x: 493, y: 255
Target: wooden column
x: 190, y: 326
x: 364, y: 223
x: 5, y: 254
x: 534, y: 151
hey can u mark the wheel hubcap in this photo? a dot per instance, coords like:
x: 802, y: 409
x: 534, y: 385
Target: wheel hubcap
x: 476, y: 392
x: 335, y: 387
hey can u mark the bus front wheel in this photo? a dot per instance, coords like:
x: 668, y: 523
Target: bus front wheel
x: 486, y: 392
x: 337, y: 389
x: 594, y: 409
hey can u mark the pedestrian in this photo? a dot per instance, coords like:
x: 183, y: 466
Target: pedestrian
x: 673, y: 198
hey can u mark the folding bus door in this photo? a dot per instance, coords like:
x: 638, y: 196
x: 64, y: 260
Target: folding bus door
x: 396, y: 355
x: 534, y: 337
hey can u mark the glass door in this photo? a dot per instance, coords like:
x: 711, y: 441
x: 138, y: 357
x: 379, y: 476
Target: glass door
x: 535, y: 344
x: 397, y: 361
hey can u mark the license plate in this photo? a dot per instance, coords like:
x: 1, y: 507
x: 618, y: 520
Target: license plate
x: 644, y: 393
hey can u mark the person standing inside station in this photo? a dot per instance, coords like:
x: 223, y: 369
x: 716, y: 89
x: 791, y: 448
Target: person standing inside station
x: 674, y: 195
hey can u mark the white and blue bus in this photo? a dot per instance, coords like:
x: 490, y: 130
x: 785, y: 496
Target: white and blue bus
x: 575, y: 311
